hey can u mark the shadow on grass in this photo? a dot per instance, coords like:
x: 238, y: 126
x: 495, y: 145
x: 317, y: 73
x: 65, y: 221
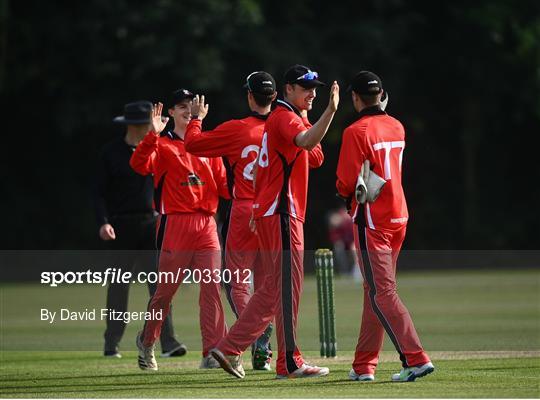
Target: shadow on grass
x: 104, y: 390
x: 219, y: 384
x: 349, y: 382
x: 134, y: 374
x: 504, y: 368
x: 19, y: 360
x: 224, y: 383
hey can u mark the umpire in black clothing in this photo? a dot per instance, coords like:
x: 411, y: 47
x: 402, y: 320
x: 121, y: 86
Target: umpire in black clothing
x: 127, y: 221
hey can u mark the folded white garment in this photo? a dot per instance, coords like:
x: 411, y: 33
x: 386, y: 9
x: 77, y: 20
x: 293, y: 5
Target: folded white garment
x: 368, y: 185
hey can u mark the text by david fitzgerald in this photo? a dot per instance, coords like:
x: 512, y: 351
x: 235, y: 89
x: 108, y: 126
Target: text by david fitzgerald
x: 103, y: 314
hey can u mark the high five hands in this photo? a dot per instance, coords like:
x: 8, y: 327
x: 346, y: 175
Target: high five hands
x: 198, y: 107
x: 334, y: 97
x: 158, y: 123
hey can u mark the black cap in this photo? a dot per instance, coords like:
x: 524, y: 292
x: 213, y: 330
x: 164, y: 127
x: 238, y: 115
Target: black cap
x: 136, y: 113
x: 260, y: 82
x: 366, y: 82
x: 303, y: 76
x: 179, y: 96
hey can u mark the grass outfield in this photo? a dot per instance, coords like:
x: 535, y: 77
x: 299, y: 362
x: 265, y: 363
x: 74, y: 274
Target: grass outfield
x: 482, y: 329
x: 83, y: 374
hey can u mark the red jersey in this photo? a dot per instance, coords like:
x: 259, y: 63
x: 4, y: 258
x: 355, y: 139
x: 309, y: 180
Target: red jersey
x: 183, y: 183
x: 282, y: 175
x: 379, y: 138
x: 238, y: 141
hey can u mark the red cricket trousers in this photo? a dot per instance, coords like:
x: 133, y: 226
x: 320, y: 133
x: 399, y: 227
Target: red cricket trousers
x: 242, y: 256
x: 281, y: 243
x: 383, y: 310
x: 189, y: 242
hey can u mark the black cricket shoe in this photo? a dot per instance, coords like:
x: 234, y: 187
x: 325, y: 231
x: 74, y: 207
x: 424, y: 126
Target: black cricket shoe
x: 177, y: 351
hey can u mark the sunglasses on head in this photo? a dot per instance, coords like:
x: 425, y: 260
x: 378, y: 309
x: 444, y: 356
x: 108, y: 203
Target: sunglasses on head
x: 308, y: 76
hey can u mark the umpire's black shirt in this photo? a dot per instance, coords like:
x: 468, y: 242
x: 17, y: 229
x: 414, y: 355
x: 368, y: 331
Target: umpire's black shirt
x: 118, y: 190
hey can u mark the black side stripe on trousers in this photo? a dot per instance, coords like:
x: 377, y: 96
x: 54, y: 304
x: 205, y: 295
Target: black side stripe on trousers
x: 159, y: 244
x: 362, y: 239
x: 287, y: 293
x: 159, y: 237
x: 225, y: 235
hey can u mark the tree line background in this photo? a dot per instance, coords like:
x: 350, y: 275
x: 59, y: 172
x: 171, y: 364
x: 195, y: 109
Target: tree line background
x: 463, y: 77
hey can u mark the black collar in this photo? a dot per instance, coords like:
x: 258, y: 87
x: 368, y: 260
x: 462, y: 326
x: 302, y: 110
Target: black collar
x: 259, y: 116
x: 173, y: 136
x: 373, y: 110
x: 289, y: 106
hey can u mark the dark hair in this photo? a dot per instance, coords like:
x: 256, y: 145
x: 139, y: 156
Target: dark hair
x: 263, y: 100
x: 369, y: 99
x: 284, y: 88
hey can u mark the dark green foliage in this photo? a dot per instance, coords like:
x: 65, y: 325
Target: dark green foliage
x: 462, y: 77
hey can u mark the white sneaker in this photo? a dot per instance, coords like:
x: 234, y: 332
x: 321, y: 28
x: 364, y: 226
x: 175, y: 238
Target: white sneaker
x: 411, y: 373
x: 231, y: 364
x: 209, y: 362
x: 353, y: 376
x: 147, y: 360
x: 306, y: 371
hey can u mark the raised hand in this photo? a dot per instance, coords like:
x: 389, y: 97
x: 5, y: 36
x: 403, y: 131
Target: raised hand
x: 334, y: 97
x: 158, y: 124
x: 198, y: 107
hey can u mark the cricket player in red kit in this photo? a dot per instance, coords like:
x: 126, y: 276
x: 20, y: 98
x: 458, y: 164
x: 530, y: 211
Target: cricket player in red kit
x: 279, y: 212
x: 379, y: 232
x: 187, y: 190
x: 238, y: 142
